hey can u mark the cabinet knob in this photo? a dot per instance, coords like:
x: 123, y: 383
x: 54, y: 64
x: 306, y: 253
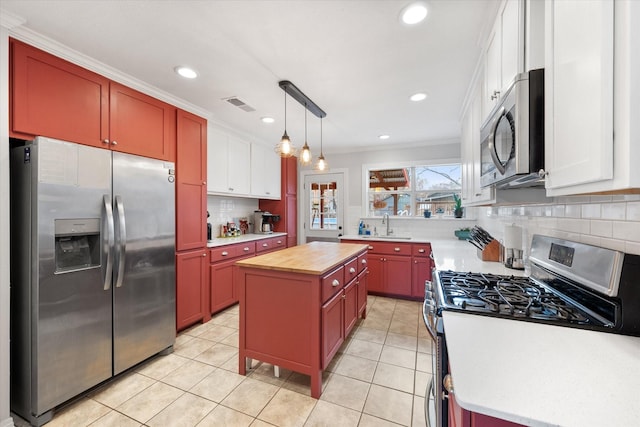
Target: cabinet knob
x: 204, y: 182
x: 264, y: 245
x: 204, y: 254
x: 478, y: 194
x: 542, y: 173
x: 230, y: 188
x: 246, y: 249
x: 352, y: 270
x: 335, y: 283
x: 279, y: 242
x: 344, y: 296
x: 106, y: 141
x: 225, y: 253
x: 364, y: 261
x: 421, y: 251
x: 267, y: 192
x: 114, y: 142
x: 396, y: 249
x: 370, y: 247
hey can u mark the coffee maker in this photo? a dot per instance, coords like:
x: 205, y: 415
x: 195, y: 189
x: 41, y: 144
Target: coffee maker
x: 513, y: 253
x: 263, y: 222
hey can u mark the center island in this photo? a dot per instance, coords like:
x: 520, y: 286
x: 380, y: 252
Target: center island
x: 298, y: 304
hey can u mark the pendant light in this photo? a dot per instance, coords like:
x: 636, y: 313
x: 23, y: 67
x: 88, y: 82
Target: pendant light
x: 322, y: 163
x: 305, y: 153
x: 285, y: 148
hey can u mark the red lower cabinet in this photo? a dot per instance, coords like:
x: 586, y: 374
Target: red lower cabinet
x: 221, y: 285
x: 459, y: 417
x: 191, y: 295
x: 332, y: 328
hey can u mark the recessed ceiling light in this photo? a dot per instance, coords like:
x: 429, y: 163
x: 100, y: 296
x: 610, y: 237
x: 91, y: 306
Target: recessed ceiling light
x: 414, y: 13
x: 418, y: 97
x: 186, y: 72
x: 267, y: 119
x: 383, y: 136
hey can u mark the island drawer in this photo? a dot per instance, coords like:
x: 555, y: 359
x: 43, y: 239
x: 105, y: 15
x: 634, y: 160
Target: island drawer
x: 362, y: 262
x: 332, y: 283
x: 390, y: 248
x: 350, y: 270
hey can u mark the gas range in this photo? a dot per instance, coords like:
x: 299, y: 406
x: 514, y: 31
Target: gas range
x: 571, y: 284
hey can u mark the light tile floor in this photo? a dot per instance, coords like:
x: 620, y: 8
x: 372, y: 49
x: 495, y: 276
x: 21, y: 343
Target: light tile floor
x: 378, y: 378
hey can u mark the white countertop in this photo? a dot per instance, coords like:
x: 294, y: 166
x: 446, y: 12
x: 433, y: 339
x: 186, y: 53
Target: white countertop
x: 222, y: 241
x: 542, y: 375
x: 536, y: 374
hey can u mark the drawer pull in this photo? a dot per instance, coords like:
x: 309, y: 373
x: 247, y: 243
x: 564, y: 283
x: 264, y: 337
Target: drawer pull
x: 279, y: 242
x: 335, y: 283
x: 225, y: 253
x: 264, y: 245
x: 421, y: 251
x: 246, y: 249
x: 370, y: 247
x: 352, y: 270
x: 396, y: 249
x: 364, y: 261
x: 204, y: 254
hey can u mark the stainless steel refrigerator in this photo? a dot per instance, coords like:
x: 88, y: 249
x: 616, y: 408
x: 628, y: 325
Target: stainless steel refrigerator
x: 92, y: 269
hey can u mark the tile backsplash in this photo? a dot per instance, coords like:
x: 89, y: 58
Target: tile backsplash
x: 608, y: 221
x: 228, y: 209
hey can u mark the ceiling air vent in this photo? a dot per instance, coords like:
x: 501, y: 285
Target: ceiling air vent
x: 235, y: 101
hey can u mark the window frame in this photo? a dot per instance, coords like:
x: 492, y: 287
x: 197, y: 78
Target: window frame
x: 366, y: 168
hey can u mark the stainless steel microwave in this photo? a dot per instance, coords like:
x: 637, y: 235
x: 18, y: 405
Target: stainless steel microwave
x: 512, y: 138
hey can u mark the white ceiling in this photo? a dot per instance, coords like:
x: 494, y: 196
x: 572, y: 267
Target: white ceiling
x: 353, y: 58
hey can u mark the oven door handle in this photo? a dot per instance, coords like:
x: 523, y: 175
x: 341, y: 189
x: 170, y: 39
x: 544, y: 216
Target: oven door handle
x: 427, y: 397
x: 492, y: 146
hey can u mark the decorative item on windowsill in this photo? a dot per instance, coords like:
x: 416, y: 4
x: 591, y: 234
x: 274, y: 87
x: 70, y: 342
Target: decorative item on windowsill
x: 457, y: 211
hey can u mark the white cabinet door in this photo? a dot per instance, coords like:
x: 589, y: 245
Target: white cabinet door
x: 239, y: 166
x: 217, y: 160
x: 512, y: 35
x: 228, y: 163
x: 265, y: 172
x: 579, y: 93
x: 504, y: 54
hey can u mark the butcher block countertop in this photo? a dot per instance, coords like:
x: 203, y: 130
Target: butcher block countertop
x: 314, y: 258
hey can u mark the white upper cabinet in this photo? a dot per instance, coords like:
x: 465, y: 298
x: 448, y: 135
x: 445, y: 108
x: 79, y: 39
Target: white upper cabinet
x: 228, y: 163
x: 265, y: 172
x: 592, y: 63
x: 504, y: 54
x: 472, y: 193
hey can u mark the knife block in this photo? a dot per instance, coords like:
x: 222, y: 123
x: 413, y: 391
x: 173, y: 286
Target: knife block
x: 491, y: 252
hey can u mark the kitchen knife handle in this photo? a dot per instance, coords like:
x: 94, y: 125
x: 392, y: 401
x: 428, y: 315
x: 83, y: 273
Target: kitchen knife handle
x: 122, y: 240
x: 108, y: 242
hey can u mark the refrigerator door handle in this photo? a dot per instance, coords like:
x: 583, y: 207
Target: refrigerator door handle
x: 108, y: 242
x: 122, y: 240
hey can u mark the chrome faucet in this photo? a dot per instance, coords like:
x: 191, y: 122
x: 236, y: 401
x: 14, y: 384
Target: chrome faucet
x: 385, y: 220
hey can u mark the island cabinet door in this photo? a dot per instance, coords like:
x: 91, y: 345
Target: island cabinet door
x: 332, y: 328
x: 361, y: 284
x: 350, y: 297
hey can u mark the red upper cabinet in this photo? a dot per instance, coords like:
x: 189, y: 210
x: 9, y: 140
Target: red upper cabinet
x: 54, y: 98
x: 191, y: 188
x: 140, y: 124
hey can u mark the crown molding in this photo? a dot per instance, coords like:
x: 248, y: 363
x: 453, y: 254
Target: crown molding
x: 60, y: 50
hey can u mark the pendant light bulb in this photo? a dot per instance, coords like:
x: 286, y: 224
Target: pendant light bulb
x: 305, y: 153
x: 322, y: 163
x: 285, y: 148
